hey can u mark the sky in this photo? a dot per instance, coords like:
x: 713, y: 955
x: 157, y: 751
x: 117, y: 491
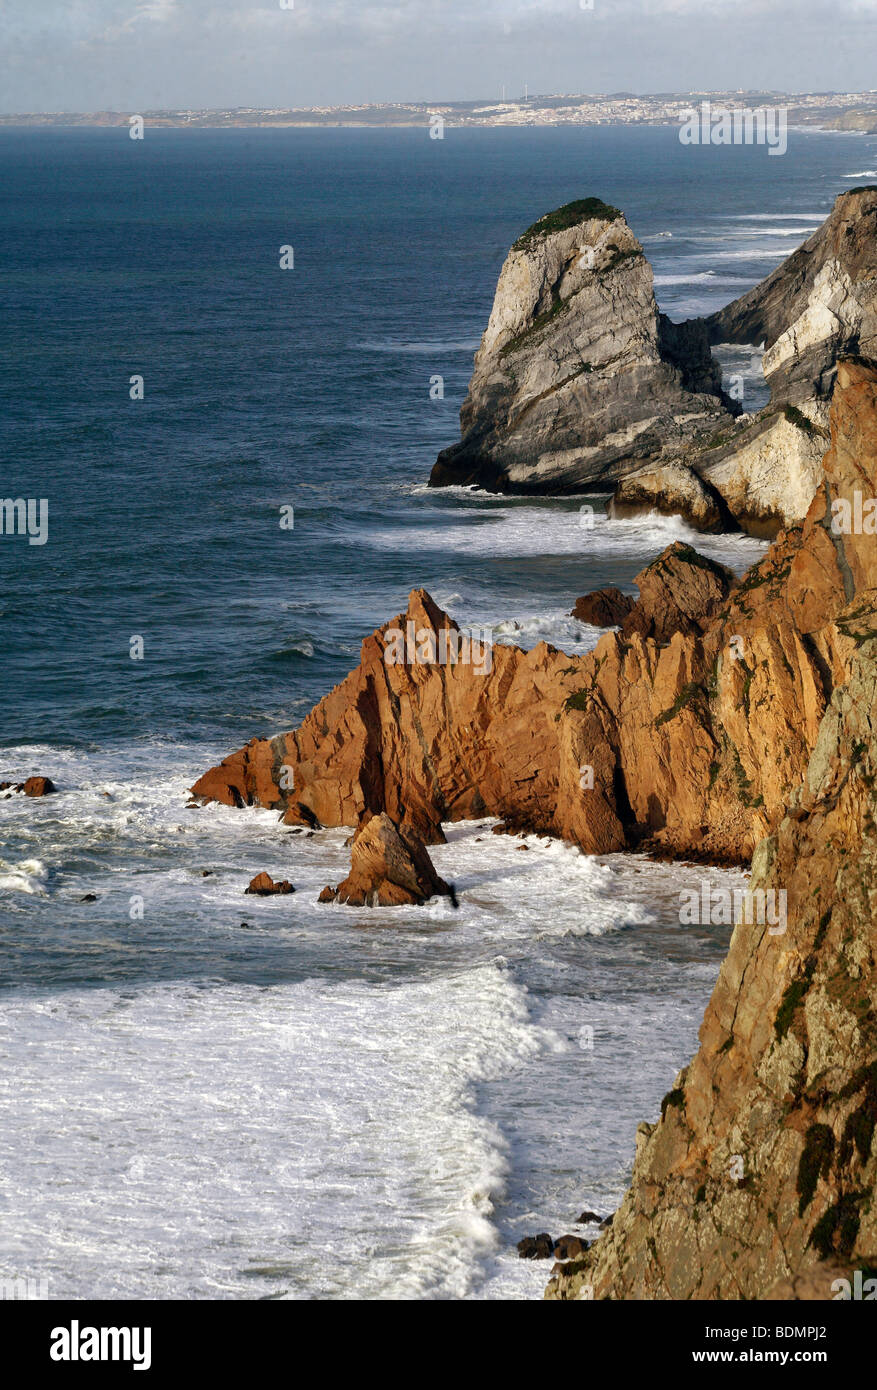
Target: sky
x: 134, y: 55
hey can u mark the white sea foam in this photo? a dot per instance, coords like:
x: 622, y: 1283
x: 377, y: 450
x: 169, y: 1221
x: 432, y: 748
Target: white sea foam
x: 701, y: 277
x: 782, y: 231
x: 314, y: 1139
x: 779, y: 216
x: 517, y: 527
x: 27, y: 876
x: 350, y: 1133
x: 754, y: 253
x: 557, y: 628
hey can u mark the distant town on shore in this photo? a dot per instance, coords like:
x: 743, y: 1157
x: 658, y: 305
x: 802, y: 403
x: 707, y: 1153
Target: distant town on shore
x: 850, y: 111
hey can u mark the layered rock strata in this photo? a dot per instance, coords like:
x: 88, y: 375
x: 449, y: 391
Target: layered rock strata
x: 578, y: 376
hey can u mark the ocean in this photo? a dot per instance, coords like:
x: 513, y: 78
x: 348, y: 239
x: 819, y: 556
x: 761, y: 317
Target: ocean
x: 204, y: 1095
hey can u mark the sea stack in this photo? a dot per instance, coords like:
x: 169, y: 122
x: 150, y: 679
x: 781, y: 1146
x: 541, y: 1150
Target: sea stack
x: 579, y: 378
x: 581, y: 384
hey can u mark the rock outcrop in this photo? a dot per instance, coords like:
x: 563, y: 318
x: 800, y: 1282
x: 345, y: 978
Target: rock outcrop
x: 759, y: 1178
x: 602, y: 607
x: 389, y: 866
x: 818, y: 306
x: 264, y: 886
x: 671, y: 489
x: 681, y: 591
x: 685, y: 733
x: 732, y: 720
x: 579, y: 377
x: 579, y: 381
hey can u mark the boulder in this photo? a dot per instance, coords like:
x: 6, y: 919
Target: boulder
x: 539, y: 1247
x: 263, y: 886
x: 603, y: 607
x: 570, y: 1248
x: 389, y: 866
x: 33, y: 786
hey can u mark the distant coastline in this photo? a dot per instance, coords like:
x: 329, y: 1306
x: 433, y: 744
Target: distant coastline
x: 841, y: 111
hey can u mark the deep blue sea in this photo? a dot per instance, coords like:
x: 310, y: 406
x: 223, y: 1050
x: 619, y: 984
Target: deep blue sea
x: 203, y: 1095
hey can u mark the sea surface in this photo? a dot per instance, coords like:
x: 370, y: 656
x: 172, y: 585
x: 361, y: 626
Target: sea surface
x: 206, y: 1095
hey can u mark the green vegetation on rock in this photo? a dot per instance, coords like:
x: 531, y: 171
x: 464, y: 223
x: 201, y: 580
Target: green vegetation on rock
x: 567, y: 216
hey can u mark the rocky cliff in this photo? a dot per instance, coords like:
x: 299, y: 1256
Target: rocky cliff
x: 580, y: 382
x: 758, y: 1179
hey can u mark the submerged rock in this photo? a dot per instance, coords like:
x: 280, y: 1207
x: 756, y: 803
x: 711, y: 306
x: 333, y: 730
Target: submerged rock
x: 389, y: 866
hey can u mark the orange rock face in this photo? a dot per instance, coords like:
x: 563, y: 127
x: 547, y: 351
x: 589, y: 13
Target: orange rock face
x: 686, y: 732
x: 388, y: 867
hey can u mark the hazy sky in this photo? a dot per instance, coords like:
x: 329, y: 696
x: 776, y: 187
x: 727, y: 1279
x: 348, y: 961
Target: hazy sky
x: 128, y: 55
